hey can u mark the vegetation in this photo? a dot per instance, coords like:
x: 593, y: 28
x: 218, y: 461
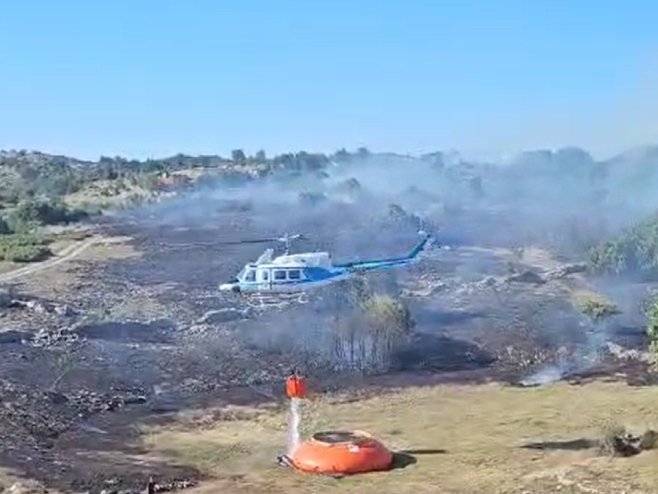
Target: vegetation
x: 651, y: 311
x: 634, y: 252
x: 38, y: 189
x: 598, y: 309
x: 20, y: 247
x: 312, y: 198
x: 374, y: 325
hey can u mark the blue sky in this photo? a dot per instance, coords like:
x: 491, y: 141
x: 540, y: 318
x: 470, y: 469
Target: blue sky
x: 157, y: 77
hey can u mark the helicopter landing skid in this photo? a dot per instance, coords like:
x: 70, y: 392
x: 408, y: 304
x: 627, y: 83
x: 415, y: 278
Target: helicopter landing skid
x: 278, y: 301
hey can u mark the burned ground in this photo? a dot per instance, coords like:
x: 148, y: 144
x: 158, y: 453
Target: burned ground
x: 128, y: 341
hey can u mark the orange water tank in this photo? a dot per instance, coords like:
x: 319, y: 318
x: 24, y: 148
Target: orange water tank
x: 341, y: 452
x: 296, y: 386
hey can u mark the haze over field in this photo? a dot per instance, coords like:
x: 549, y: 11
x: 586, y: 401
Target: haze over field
x: 145, y: 148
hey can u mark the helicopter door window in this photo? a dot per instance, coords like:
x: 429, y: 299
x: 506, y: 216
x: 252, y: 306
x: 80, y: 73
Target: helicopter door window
x: 294, y: 274
x: 279, y: 275
x: 251, y: 275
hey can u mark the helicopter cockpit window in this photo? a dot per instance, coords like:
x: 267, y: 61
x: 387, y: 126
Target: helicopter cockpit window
x: 294, y: 274
x: 279, y: 275
x: 250, y: 275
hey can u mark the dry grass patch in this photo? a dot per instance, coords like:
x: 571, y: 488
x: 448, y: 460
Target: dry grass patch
x: 106, y: 248
x: 483, y: 430
x: 60, y: 280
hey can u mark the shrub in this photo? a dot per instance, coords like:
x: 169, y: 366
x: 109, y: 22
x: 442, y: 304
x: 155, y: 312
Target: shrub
x: 633, y: 252
x: 312, y: 198
x: 651, y: 311
x: 366, y: 337
x: 23, y: 248
x: 598, y: 310
x: 31, y: 213
x: 4, y: 227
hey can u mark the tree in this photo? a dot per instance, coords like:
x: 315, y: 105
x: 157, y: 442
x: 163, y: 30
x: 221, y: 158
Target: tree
x: 368, y: 327
x: 4, y: 227
x: 389, y: 323
x: 475, y: 185
x: 31, y: 213
x: 341, y: 156
x: 651, y: 311
x: 238, y: 156
x: 261, y: 157
x: 633, y: 252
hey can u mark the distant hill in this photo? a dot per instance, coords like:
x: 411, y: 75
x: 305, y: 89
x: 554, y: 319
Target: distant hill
x: 586, y: 198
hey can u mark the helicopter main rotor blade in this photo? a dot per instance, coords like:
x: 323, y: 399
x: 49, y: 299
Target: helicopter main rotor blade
x: 285, y: 238
x: 249, y: 241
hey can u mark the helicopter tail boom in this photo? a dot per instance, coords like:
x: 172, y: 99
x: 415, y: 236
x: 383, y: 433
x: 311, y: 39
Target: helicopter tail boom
x: 390, y: 262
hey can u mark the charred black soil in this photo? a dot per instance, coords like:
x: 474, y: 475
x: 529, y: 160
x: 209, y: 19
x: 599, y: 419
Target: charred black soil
x: 146, y: 336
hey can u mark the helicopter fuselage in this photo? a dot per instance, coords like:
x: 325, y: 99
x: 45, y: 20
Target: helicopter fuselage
x: 292, y: 273
x: 286, y: 274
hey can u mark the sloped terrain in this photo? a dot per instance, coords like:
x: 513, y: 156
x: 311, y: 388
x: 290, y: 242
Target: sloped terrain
x: 102, y: 351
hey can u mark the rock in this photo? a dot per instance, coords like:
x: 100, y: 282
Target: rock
x: 624, y: 444
x: 64, y: 310
x: 488, y: 281
x: 621, y: 353
x: 526, y: 277
x: 28, y: 487
x: 164, y: 400
x: 199, y: 329
x: 176, y: 485
x: 134, y: 399
x: 47, y: 337
x: 223, y: 315
x: 12, y: 336
x: 57, y: 398
x: 567, y: 270
x: 648, y: 440
x: 36, y: 306
x: 5, y: 299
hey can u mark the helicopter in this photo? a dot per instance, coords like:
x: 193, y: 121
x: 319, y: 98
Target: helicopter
x: 292, y: 274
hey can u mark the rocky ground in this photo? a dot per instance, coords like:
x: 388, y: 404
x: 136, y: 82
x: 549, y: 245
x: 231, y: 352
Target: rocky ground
x: 118, y: 338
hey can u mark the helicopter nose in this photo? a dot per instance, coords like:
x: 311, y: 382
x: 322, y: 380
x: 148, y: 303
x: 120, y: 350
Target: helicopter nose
x: 229, y: 287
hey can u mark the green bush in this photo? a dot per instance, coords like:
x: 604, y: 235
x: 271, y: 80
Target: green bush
x: 32, y: 213
x: 634, y: 252
x: 4, y: 227
x: 388, y: 316
x: 23, y: 248
x: 366, y: 336
x: 598, y: 310
x: 651, y: 313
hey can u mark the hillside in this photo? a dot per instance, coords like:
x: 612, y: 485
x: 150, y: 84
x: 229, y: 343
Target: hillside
x: 121, y: 360
x: 566, y: 186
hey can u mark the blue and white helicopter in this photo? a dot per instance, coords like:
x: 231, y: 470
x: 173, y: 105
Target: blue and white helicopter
x: 295, y: 273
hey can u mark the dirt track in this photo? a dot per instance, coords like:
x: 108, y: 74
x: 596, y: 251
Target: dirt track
x: 66, y: 254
